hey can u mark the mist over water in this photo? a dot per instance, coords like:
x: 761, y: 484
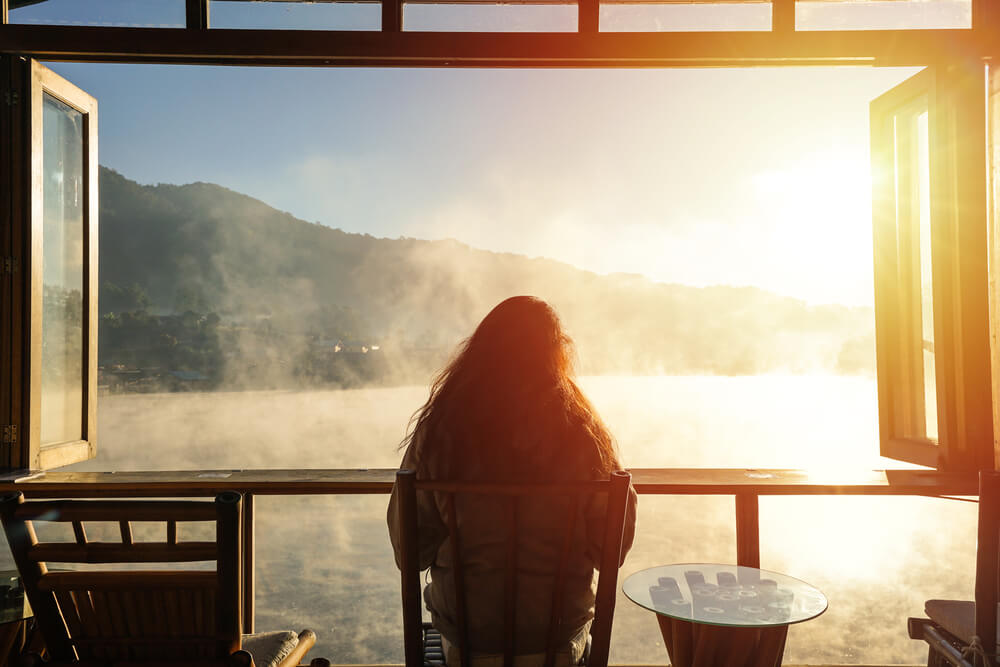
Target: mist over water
x: 325, y: 562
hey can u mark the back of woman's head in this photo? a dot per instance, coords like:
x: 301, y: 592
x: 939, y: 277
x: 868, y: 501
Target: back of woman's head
x: 506, y: 405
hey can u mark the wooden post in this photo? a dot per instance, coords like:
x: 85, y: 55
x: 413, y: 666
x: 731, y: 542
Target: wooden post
x: 249, y: 564
x: 228, y: 603
x: 4, y: 8
x: 987, y: 548
x: 409, y: 569
x: 747, y: 530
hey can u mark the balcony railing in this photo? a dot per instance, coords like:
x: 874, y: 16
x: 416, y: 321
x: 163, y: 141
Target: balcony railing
x: 746, y: 486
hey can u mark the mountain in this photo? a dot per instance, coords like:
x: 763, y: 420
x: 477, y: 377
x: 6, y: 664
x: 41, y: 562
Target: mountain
x: 201, y: 248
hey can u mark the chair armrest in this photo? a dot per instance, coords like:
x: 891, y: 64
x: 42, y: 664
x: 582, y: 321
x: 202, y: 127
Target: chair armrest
x: 307, y: 639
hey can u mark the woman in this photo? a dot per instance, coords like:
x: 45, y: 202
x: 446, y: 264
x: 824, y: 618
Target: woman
x: 504, y: 409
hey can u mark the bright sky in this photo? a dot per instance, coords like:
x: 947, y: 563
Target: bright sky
x: 747, y: 177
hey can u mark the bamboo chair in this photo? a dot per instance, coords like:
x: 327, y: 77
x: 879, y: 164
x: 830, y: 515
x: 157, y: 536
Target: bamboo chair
x: 422, y: 643
x: 141, y: 618
x: 960, y: 632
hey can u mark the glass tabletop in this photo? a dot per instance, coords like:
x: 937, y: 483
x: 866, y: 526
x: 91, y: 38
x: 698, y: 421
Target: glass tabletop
x: 724, y: 595
x: 13, y: 603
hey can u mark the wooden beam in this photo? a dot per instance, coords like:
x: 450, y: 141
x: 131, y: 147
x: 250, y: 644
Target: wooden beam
x: 665, y: 481
x: 424, y: 49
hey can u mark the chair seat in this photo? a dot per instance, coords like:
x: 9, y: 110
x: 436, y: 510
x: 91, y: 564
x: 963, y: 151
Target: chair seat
x: 270, y: 648
x: 956, y: 616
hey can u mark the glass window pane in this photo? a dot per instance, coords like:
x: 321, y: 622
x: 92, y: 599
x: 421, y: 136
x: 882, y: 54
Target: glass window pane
x: 62, y: 273
x: 490, y: 18
x: 926, y: 281
x: 882, y: 14
x: 284, y: 15
x: 126, y: 13
x: 685, y: 17
x: 917, y: 404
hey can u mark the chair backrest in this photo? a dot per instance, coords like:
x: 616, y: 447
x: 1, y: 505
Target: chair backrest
x: 616, y: 492
x: 988, y: 559
x: 116, y: 612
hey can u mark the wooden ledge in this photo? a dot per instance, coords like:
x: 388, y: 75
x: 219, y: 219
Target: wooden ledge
x: 664, y: 481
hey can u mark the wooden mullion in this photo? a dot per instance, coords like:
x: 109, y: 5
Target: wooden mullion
x: 911, y: 418
x: 588, y: 16
x: 7, y: 372
x: 392, y: 15
x: 17, y: 456
x: 196, y: 14
x: 782, y: 16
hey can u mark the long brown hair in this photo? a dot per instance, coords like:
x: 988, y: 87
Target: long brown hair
x: 506, y: 405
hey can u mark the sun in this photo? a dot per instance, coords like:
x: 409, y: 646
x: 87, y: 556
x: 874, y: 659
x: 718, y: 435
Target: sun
x: 817, y: 209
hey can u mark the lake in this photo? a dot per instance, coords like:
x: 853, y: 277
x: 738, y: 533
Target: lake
x: 325, y: 562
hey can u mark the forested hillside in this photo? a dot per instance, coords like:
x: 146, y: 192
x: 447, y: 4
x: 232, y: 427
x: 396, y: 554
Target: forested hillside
x: 200, y: 278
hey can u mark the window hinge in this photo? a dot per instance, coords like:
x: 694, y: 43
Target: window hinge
x: 8, y: 266
x: 10, y: 434
x: 12, y: 97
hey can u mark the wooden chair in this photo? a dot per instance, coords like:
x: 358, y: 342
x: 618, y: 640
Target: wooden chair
x: 422, y: 643
x: 960, y: 632
x: 141, y: 618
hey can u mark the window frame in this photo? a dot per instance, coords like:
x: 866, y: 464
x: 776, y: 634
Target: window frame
x: 30, y: 82
x: 955, y: 105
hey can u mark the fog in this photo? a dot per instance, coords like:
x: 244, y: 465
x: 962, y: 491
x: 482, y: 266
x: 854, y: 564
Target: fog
x: 326, y: 563
x: 203, y: 287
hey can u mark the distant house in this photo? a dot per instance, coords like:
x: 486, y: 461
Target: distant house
x: 185, y: 380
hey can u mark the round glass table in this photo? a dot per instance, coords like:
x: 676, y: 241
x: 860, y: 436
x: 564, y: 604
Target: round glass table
x: 723, y: 615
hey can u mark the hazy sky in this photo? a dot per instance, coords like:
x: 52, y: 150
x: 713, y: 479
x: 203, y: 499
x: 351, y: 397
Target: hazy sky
x: 748, y: 177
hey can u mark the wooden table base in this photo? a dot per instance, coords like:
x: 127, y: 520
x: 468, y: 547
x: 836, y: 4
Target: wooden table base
x: 700, y: 645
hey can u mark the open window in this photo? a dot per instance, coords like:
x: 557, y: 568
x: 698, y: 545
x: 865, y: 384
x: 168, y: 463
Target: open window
x: 931, y: 308
x: 50, y: 258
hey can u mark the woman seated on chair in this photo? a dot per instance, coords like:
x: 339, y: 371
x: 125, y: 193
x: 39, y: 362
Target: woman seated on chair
x: 506, y: 408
